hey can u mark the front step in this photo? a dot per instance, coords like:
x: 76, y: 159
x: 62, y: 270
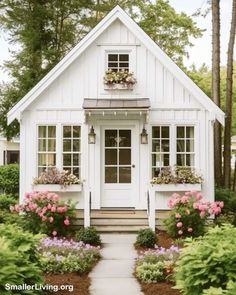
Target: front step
x: 119, y: 220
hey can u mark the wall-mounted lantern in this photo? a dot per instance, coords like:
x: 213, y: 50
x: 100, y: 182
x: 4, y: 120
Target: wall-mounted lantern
x: 144, y: 136
x: 92, y: 136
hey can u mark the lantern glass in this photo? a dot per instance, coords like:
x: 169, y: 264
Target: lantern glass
x: 144, y: 136
x: 92, y: 136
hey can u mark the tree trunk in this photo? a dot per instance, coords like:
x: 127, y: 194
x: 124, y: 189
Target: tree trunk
x: 216, y: 87
x: 234, y: 184
x: 228, y: 100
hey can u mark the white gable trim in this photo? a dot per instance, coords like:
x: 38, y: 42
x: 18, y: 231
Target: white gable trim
x: 116, y: 13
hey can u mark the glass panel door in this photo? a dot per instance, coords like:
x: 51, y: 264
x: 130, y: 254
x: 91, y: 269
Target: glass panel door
x: 118, y: 156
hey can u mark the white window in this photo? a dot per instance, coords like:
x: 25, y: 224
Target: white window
x: 185, y: 155
x: 71, y: 149
x: 46, y: 147
x: 160, y: 148
x: 118, y: 61
x: 171, y: 150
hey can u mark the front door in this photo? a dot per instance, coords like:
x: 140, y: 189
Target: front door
x: 119, y: 160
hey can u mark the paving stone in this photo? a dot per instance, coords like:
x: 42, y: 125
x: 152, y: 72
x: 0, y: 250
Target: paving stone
x: 113, y: 275
x: 115, y: 286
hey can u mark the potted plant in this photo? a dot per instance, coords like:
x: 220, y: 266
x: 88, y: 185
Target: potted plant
x: 177, y: 179
x: 122, y: 79
x: 54, y: 180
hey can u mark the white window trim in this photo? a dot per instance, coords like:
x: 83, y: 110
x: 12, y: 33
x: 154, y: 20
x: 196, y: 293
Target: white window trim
x: 173, y: 139
x: 117, y: 53
x: 59, y: 144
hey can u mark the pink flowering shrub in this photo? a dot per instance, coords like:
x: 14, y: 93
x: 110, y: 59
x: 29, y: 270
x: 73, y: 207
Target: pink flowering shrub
x: 189, y: 214
x: 43, y: 212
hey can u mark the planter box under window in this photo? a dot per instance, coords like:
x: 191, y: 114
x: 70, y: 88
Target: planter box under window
x: 179, y: 187
x: 118, y: 87
x: 58, y: 187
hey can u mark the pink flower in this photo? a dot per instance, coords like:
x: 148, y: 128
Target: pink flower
x: 61, y: 209
x: 49, y: 206
x: 66, y: 221
x: 51, y: 219
x: 199, y: 196
x: 53, y: 209
x: 190, y: 229
x: 179, y: 224
x: 177, y: 215
x: 54, y: 233
x: 44, y: 218
x: 180, y: 232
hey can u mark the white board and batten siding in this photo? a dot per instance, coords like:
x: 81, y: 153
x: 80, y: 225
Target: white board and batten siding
x: 171, y: 103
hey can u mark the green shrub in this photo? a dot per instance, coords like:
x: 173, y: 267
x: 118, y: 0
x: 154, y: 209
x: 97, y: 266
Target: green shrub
x: 189, y: 214
x: 6, y: 201
x: 208, y: 261
x: 5, y: 215
x: 18, y: 259
x: 229, y: 199
x: 230, y: 290
x: 9, y: 179
x: 88, y: 235
x: 146, y: 238
x: 151, y: 272
x: 44, y: 212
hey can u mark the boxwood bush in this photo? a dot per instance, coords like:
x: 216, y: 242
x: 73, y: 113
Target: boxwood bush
x: 208, y: 262
x: 9, y: 179
x: 146, y: 238
x: 88, y: 235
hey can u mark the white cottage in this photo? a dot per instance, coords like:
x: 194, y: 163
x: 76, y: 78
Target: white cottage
x: 59, y: 114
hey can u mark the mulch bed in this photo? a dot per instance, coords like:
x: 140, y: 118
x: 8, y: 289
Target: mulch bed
x: 80, y: 283
x: 159, y: 289
x: 165, y: 288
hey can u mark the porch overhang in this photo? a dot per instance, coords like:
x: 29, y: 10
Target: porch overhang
x: 116, y: 107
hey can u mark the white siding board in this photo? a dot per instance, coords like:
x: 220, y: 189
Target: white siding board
x: 159, y: 82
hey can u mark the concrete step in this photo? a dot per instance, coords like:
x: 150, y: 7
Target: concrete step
x: 121, y: 214
x: 119, y: 228
x: 119, y: 221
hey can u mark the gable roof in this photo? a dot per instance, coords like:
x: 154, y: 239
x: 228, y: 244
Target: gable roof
x: 115, y: 13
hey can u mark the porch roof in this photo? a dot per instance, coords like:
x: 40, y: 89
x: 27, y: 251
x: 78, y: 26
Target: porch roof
x: 114, y: 104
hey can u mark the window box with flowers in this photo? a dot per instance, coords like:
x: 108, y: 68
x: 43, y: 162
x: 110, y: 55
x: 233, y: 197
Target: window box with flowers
x: 53, y: 180
x: 177, y: 179
x: 119, y: 80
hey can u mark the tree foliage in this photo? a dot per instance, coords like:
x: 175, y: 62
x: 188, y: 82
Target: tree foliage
x: 47, y: 29
x: 202, y: 77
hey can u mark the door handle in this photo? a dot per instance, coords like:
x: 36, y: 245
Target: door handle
x: 133, y: 166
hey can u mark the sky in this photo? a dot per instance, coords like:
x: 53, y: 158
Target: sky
x: 199, y: 54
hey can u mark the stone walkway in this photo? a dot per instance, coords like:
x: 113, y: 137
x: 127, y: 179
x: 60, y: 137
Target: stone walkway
x: 113, y: 275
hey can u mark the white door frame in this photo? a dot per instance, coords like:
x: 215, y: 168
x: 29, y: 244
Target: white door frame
x: 122, y: 124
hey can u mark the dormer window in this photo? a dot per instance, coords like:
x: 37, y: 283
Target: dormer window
x: 118, y: 62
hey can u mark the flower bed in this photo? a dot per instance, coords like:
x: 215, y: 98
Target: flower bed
x: 66, y: 256
x: 156, y: 265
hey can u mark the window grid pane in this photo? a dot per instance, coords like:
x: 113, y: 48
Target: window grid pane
x: 118, y: 156
x: 160, y: 148
x: 46, y: 147
x: 117, y: 62
x: 71, y: 149
x: 185, y: 153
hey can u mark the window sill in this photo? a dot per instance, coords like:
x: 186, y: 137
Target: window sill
x: 118, y: 87
x: 179, y: 187
x: 58, y: 187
